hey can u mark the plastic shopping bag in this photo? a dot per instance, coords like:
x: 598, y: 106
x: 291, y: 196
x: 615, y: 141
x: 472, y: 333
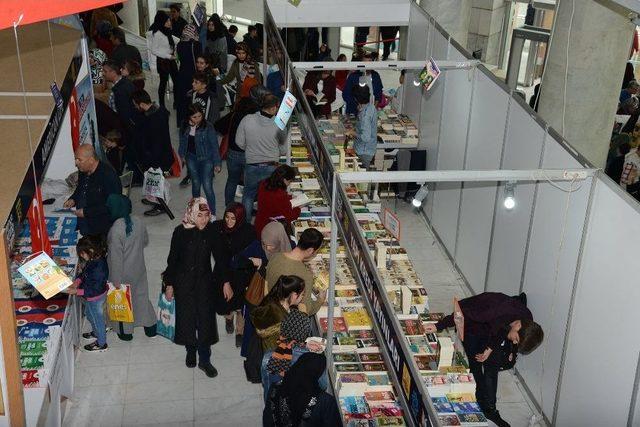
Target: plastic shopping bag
x: 166, y: 315
x: 119, y: 305
x: 153, y: 183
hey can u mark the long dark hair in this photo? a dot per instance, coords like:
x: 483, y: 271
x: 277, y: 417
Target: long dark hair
x: 95, y: 246
x: 220, y: 30
x: 285, y: 286
x: 276, y: 180
x: 158, y: 25
x: 191, y: 110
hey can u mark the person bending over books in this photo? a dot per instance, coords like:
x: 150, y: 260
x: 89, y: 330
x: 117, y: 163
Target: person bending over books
x: 484, y: 322
x: 274, y: 202
x: 288, y: 263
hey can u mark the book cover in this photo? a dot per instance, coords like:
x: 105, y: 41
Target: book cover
x: 374, y: 380
x: 45, y: 275
x: 379, y: 396
x: 475, y: 419
x: 355, y: 405
x: 465, y: 407
x: 448, y: 420
x: 345, y: 358
x: 374, y: 367
x: 370, y: 357
x: 390, y: 421
x: 338, y: 324
x: 460, y: 397
x: 348, y: 367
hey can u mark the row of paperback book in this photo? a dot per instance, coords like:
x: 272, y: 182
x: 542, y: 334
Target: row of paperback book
x: 438, y: 357
x: 39, y: 320
x: 365, y: 393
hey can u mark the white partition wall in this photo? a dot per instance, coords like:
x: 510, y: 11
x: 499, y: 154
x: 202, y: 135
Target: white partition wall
x: 524, y: 143
x: 600, y: 377
x: 489, y: 110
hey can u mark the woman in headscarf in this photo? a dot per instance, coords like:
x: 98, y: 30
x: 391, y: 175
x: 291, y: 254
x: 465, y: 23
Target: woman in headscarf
x: 299, y: 400
x: 216, y: 45
x: 196, y: 287
x: 187, y: 50
x: 127, y: 239
x: 274, y: 241
x: 163, y: 47
x: 238, y: 238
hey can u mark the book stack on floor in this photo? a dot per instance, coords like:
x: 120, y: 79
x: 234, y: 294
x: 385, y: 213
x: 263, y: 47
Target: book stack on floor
x: 39, y: 321
x: 360, y: 375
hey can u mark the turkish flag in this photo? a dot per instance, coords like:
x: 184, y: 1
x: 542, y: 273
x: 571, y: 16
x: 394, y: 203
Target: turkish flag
x: 41, y: 10
x: 74, y: 116
x: 37, y: 226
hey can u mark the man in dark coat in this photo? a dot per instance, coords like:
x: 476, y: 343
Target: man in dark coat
x: 123, y: 52
x: 153, y: 138
x: 177, y: 22
x: 487, y: 320
x: 120, y: 102
x: 96, y: 182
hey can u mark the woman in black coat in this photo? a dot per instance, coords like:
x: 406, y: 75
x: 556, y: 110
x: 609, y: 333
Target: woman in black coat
x: 187, y: 49
x: 236, y: 238
x: 196, y: 287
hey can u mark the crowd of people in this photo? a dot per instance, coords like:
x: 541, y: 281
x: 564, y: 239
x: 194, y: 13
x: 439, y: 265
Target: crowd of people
x: 258, y: 280
x: 135, y: 132
x: 623, y: 160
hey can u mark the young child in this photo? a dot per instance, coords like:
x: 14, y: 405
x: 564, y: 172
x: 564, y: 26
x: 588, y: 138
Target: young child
x: 367, y: 127
x: 91, y: 284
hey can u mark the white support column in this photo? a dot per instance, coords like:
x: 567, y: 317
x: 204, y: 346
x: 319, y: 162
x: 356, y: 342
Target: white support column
x: 453, y: 15
x: 584, y: 70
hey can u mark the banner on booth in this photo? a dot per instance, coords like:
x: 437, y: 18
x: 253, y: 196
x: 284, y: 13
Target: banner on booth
x: 23, y: 12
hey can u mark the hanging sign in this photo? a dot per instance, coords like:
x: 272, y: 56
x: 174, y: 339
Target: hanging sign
x: 429, y: 74
x: 286, y: 109
x: 391, y: 223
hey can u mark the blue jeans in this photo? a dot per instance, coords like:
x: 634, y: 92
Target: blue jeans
x: 253, y: 174
x: 269, y: 379
x: 235, y: 168
x: 94, y: 311
x: 201, y: 172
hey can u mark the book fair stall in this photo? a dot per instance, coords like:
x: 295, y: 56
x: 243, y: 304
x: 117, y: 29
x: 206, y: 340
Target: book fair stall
x: 516, y: 209
x: 45, y: 111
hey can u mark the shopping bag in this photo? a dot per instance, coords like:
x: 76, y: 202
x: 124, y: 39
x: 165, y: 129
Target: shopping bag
x: 119, y: 305
x: 256, y: 290
x: 166, y: 315
x: 154, y: 183
x: 176, y: 167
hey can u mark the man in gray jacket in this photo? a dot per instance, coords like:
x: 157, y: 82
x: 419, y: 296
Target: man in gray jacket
x: 263, y: 143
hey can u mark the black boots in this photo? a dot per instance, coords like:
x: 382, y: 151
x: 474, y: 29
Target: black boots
x: 191, y: 359
x: 208, y: 369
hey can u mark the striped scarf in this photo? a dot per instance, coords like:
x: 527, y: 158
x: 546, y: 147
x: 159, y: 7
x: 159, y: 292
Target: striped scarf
x: 295, y: 329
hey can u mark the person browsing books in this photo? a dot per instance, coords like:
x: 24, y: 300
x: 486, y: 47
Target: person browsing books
x: 490, y: 319
x: 299, y: 399
x: 292, y: 262
x: 91, y: 285
x: 274, y: 202
x: 366, y: 141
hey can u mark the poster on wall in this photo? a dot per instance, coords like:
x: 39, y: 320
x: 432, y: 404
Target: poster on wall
x: 84, y: 127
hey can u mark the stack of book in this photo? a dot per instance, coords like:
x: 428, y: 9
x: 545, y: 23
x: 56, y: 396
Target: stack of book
x: 459, y: 409
x: 39, y: 321
x: 362, y: 382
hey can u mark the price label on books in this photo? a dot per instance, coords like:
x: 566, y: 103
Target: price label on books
x: 412, y: 387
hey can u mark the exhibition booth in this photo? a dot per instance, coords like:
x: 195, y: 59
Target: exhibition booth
x: 46, y: 108
x: 558, y: 243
